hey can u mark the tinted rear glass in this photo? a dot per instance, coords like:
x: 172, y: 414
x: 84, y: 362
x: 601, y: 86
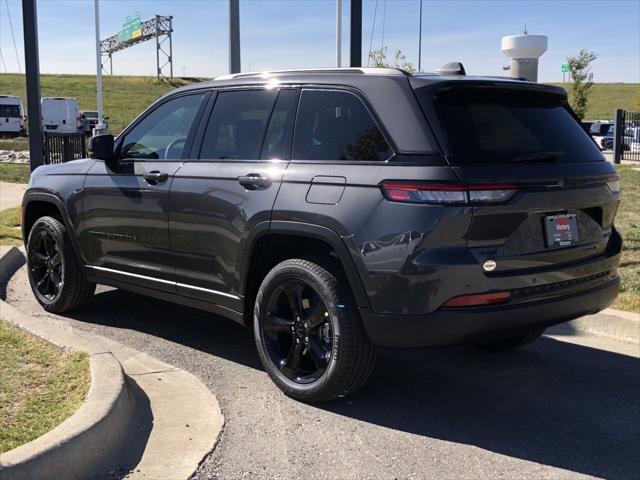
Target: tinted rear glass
x: 9, y: 111
x: 485, y: 126
x: 335, y: 125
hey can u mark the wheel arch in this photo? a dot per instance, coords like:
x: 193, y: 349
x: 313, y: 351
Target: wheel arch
x: 285, y: 239
x: 39, y: 204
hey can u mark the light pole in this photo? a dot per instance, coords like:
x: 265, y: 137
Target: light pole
x: 234, y: 36
x: 99, y: 128
x: 32, y: 74
x: 338, y: 33
x: 420, y: 40
x: 356, y: 34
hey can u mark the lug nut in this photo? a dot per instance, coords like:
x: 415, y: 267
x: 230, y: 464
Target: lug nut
x: 306, y: 339
x: 306, y: 324
x: 297, y: 340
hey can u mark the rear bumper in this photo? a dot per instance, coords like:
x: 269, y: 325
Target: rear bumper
x: 478, y: 325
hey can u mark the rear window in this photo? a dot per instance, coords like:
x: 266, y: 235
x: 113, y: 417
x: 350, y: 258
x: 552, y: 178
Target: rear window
x: 335, y: 125
x: 486, y: 126
x: 9, y: 111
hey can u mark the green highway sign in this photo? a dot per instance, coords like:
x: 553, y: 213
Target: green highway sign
x: 565, y: 68
x: 131, y: 28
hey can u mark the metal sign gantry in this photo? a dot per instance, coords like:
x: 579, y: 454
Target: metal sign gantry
x: 160, y: 27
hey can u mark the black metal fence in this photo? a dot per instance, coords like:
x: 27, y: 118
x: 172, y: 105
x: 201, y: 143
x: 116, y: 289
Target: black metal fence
x: 63, y: 147
x: 626, y: 142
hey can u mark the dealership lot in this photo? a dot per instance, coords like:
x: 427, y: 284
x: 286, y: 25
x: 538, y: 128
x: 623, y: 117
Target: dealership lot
x: 552, y: 410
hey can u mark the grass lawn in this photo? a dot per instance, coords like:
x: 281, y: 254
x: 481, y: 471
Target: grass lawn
x: 628, y: 224
x: 10, y: 231
x: 14, y: 144
x: 124, y: 97
x: 606, y: 97
x: 15, y: 172
x: 40, y: 386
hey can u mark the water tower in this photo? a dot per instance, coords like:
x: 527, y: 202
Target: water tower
x: 523, y: 52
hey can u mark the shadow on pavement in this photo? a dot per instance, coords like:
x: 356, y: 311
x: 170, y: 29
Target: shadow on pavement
x: 552, y: 403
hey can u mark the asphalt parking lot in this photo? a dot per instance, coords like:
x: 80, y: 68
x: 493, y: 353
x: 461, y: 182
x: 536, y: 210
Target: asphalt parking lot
x: 551, y: 410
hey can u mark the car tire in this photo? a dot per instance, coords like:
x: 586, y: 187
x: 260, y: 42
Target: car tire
x: 323, y: 312
x: 511, y: 343
x: 55, y: 274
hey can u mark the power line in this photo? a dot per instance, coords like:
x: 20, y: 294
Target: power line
x: 373, y: 29
x: 384, y: 19
x: 2, y: 61
x: 13, y: 37
x: 2, y: 56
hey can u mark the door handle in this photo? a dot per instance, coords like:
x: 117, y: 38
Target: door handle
x: 155, y: 176
x: 254, y: 181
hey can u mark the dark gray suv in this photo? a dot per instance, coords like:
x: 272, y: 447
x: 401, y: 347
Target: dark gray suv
x: 335, y: 211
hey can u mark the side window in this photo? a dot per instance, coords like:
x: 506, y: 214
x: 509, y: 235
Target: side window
x: 162, y: 134
x: 333, y: 125
x: 277, y: 141
x: 237, y: 124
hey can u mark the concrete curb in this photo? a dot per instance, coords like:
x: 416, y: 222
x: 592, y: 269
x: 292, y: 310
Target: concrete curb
x: 11, y: 259
x: 611, y: 323
x: 177, y: 416
x: 79, y: 446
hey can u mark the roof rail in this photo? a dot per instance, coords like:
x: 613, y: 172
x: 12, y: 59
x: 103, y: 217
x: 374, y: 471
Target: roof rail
x: 349, y: 70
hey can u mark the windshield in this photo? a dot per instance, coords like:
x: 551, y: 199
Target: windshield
x: 496, y: 125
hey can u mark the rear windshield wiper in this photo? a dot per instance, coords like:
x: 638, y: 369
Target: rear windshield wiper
x: 539, y: 157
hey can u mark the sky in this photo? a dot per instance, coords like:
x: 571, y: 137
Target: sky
x: 277, y: 34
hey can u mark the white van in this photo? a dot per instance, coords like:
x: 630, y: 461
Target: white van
x: 60, y: 115
x: 11, y: 116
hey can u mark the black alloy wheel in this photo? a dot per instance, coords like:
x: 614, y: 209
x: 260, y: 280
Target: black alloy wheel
x: 308, y: 331
x: 297, y: 330
x: 55, y: 274
x: 46, y: 265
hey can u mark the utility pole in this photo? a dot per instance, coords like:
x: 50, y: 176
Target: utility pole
x: 338, y: 33
x: 157, y: 49
x: 234, y: 36
x: 356, y: 34
x: 99, y: 128
x: 420, y: 41
x: 32, y: 73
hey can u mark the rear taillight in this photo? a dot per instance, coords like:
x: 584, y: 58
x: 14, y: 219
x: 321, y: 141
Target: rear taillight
x: 478, y: 300
x: 22, y: 120
x: 78, y: 122
x: 613, y: 182
x: 412, y: 192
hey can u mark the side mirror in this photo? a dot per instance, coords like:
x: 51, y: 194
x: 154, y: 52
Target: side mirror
x: 101, y: 147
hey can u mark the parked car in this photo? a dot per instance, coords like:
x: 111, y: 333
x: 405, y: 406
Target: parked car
x: 599, y: 131
x: 627, y: 138
x: 60, y: 115
x: 339, y: 211
x: 11, y: 116
x: 89, y: 119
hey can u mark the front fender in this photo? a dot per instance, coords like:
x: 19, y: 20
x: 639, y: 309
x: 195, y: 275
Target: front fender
x: 41, y: 195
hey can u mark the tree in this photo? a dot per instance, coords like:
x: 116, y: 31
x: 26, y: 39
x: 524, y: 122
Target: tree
x: 379, y: 60
x: 580, y: 68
